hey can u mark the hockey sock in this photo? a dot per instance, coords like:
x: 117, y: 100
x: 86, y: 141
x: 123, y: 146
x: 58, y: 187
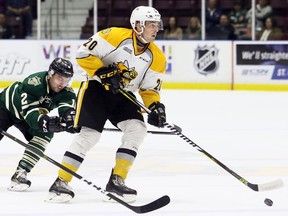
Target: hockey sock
x: 72, y: 162
x: 122, y: 167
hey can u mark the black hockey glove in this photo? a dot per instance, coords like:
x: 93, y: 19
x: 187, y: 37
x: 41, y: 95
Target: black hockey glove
x: 68, y: 120
x: 110, y: 78
x: 157, y: 117
x: 50, y: 124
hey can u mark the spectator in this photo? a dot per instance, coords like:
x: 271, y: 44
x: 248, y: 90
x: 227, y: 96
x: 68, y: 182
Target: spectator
x: 2, y: 6
x: 21, y: 8
x: 5, y: 30
x: 262, y: 11
x: 237, y: 18
x: 193, y: 30
x: 223, y: 31
x: 270, y: 31
x: 173, y: 32
x: 212, y: 14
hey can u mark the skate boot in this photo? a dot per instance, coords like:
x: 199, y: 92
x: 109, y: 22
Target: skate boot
x: 19, y: 181
x: 117, y: 187
x: 60, y: 192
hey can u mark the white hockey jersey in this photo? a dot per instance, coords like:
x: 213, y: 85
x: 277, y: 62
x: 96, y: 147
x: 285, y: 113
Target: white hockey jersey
x: 118, y: 46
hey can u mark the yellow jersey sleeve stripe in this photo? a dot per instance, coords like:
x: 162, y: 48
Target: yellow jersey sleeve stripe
x: 149, y: 97
x: 90, y: 64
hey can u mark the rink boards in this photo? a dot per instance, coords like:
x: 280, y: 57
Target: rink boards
x: 239, y: 65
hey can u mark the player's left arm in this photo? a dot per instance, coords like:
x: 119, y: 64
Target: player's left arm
x: 152, y: 83
x: 150, y: 92
x: 151, y: 88
x: 151, y: 98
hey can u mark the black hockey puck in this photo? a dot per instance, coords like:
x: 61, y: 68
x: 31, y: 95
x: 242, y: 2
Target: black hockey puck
x: 268, y: 202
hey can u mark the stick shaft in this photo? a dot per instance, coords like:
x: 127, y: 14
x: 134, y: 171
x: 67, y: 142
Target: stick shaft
x: 149, y: 131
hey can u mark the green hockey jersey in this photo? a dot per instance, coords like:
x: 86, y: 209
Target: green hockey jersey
x: 27, y: 100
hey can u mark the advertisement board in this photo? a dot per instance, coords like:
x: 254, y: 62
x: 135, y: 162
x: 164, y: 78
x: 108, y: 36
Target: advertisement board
x: 240, y: 65
x: 198, y: 64
x: 261, y: 65
x: 19, y: 58
x: 190, y: 64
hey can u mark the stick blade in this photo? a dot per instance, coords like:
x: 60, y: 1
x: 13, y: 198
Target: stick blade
x: 159, y: 203
x: 271, y: 185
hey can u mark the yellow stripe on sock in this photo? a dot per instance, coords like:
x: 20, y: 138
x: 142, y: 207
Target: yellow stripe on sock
x: 122, y: 167
x: 65, y: 175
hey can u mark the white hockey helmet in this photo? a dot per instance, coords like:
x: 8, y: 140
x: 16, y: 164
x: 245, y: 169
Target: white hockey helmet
x: 142, y: 14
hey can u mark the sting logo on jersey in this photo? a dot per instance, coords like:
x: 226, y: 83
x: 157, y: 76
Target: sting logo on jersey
x: 206, y: 59
x: 128, y: 74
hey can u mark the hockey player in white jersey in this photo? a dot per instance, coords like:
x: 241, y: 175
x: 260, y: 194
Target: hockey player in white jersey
x: 116, y: 58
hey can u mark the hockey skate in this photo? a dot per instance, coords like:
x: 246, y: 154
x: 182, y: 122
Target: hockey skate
x: 60, y: 192
x: 19, y: 181
x: 117, y: 187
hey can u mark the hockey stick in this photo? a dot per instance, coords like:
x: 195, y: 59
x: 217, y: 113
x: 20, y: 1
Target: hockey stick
x: 149, y: 131
x: 154, y: 205
x: 256, y: 187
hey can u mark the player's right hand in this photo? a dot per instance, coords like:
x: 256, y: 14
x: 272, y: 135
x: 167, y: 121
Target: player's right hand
x: 110, y: 78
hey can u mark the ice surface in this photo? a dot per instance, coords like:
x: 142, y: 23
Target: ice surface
x: 247, y: 131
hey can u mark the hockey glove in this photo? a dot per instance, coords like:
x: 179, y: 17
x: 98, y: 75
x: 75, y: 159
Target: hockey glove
x: 157, y: 117
x: 50, y: 124
x: 68, y: 120
x: 110, y: 78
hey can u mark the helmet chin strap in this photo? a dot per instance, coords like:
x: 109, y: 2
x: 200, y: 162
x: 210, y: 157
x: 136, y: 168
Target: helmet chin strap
x: 142, y: 42
x: 140, y: 34
x: 142, y: 38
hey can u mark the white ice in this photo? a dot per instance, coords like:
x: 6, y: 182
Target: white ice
x: 245, y: 130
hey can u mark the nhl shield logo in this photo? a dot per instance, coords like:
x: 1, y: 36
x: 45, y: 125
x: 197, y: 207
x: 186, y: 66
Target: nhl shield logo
x: 206, y: 59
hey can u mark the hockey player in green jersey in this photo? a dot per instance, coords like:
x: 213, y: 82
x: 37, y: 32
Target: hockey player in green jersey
x: 26, y: 106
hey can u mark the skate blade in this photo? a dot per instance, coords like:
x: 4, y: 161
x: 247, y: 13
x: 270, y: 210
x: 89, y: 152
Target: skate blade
x: 14, y: 186
x: 58, y: 198
x: 128, y: 198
